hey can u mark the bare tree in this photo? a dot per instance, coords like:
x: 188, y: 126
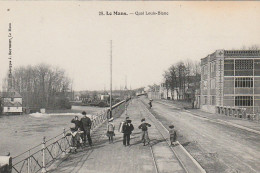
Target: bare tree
x: 254, y: 47
x: 167, y: 81
x: 181, y: 77
x: 41, y: 85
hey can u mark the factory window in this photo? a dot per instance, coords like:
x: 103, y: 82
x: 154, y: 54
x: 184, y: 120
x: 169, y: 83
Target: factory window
x: 205, y: 100
x: 213, y: 66
x: 213, y: 100
x: 205, y: 85
x: 204, y: 70
x: 244, y: 64
x: 243, y: 101
x: 229, y: 67
x: 212, y: 84
x: 244, y: 82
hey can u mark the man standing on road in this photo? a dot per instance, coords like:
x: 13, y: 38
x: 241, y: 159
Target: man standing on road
x: 127, y: 130
x: 86, y: 124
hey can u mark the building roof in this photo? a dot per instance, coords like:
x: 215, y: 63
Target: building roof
x: 246, y: 53
x: 11, y: 94
x: 230, y: 53
x: 10, y: 104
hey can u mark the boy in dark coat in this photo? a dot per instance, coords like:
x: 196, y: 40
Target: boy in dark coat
x: 77, y: 122
x: 86, y: 124
x: 127, y: 130
x: 144, y: 126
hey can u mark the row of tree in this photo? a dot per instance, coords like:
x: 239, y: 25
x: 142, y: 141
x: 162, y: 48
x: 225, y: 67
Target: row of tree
x: 183, y: 78
x: 42, y: 86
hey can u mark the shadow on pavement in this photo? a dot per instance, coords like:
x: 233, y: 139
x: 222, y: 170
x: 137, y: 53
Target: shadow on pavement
x: 185, y: 144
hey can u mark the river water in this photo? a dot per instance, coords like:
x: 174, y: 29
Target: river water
x: 19, y: 133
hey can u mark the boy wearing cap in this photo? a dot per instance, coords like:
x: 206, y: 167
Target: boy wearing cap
x: 144, y: 126
x: 86, y: 124
x: 127, y: 130
x: 110, y: 130
x: 173, y: 134
x: 77, y: 122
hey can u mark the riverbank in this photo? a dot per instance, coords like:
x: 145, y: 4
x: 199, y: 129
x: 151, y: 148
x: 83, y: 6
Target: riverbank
x: 20, y: 132
x: 51, y: 111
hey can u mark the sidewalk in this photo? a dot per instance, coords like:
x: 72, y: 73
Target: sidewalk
x: 110, y: 158
x: 234, y: 120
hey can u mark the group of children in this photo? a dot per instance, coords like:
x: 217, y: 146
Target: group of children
x: 77, y: 134
x: 145, y: 138
x: 144, y: 134
x: 79, y: 131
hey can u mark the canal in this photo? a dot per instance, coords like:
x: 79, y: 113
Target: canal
x: 18, y: 133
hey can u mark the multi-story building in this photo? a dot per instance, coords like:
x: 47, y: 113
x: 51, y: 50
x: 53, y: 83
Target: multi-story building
x: 231, y: 78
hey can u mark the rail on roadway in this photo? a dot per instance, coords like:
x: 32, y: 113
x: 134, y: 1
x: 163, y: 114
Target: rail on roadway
x: 188, y: 163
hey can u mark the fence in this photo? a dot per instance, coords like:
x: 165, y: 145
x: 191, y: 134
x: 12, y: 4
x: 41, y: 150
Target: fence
x: 236, y: 112
x: 41, y: 156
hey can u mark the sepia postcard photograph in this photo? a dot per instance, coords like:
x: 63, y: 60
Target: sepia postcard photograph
x: 129, y: 87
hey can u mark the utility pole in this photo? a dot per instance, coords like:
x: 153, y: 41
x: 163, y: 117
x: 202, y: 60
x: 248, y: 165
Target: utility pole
x: 111, y: 79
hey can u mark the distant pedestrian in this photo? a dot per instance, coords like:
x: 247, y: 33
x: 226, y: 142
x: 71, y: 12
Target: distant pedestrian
x: 77, y: 122
x: 127, y: 130
x: 173, y: 134
x: 144, y: 126
x: 110, y: 130
x: 86, y: 124
x: 150, y: 104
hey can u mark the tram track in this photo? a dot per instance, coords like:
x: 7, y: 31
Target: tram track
x: 154, y: 161
x: 186, y: 168
x: 165, y: 139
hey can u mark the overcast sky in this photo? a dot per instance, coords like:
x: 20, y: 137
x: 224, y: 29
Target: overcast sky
x: 73, y: 36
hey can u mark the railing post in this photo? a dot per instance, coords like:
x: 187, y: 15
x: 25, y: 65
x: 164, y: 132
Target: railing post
x: 125, y: 108
x: 28, y: 162
x: 43, y: 155
x: 64, y: 142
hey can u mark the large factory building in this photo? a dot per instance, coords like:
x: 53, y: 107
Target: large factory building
x: 231, y: 78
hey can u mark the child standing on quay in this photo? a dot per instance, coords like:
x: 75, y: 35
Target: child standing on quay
x: 144, y: 126
x: 173, y: 134
x: 110, y: 130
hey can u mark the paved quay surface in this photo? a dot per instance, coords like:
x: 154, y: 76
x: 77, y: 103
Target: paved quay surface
x: 218, y: 147
x: 105, y: 158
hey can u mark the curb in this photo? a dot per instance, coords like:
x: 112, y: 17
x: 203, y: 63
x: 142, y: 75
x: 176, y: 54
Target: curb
x: 225, y: 123
x: 193, y: 160
x: 219, y: 121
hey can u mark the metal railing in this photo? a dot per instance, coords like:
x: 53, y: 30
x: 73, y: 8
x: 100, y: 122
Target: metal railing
x: 237, y: 112
x: 41, y: 156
